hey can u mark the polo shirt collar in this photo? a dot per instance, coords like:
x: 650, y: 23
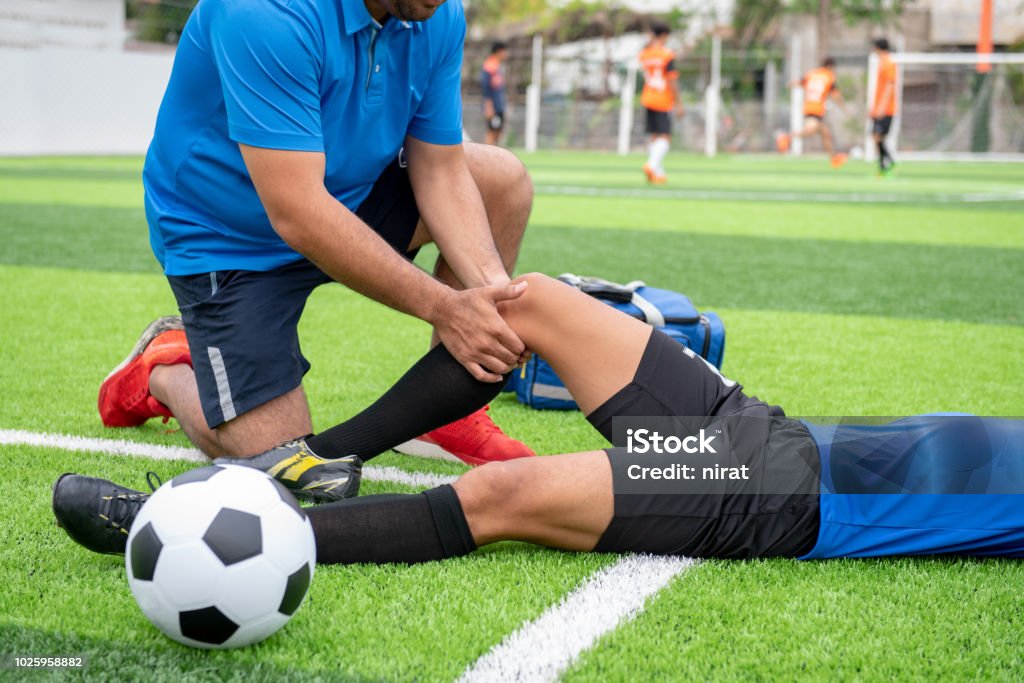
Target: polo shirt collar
x: 357, y: 17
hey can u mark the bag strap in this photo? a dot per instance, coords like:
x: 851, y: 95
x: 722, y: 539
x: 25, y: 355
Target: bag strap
x: 613, y: 291
x: 602, y: 289
x: 651, y: 313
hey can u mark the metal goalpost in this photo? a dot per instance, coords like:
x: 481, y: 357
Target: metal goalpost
x: 944, y: 100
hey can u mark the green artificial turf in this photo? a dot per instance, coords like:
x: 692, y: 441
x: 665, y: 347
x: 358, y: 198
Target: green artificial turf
x: 837, y: 307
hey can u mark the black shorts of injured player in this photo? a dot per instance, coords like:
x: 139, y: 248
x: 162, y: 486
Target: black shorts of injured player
x: 761, y: 498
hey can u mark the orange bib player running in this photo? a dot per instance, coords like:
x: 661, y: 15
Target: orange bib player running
x: 660, y: 97
x: 818, y: 84
x: 883, y: 107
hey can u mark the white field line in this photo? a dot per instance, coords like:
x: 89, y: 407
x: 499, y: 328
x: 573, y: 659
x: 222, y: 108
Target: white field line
x: 67, y: 442
x: 540, y: 650
x: 822, y: 197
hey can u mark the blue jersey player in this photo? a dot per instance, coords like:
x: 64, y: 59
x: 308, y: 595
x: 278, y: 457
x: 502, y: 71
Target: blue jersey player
x: 940, y: 484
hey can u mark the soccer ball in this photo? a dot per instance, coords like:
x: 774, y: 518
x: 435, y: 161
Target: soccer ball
x: 220, y: 557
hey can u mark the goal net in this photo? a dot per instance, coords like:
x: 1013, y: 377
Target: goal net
x: 948, y: 110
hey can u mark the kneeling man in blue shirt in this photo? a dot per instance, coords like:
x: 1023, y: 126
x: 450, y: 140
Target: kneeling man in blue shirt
x: 302, y: 142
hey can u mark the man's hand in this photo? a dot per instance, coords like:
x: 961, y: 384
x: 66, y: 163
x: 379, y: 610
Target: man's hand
x: 470, y: 327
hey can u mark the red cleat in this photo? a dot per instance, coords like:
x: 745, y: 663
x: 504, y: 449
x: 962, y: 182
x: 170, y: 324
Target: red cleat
x: 839, y: 158
x: 473, y: 440
x: 124, y: 399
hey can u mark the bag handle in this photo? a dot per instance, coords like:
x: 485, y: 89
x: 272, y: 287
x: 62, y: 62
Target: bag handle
x: 613, y: 291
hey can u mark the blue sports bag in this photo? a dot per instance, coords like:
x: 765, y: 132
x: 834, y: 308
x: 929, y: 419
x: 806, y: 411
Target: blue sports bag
x: 537, y: 385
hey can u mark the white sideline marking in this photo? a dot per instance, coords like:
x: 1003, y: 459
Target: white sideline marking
x: 823, y: 197
x: 542, y: 649
x: 67, y: 442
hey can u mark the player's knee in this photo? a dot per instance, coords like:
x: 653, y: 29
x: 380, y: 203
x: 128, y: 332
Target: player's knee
x: 490, y: 489
x: 538, y: 295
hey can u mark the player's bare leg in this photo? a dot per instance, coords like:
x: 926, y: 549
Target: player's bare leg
x: 826, y: 139
x: 576, y: 333
x: 811, y: 127
x: 561, y: 501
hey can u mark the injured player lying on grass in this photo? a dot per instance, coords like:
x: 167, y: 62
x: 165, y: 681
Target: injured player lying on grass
x: 915, y: 486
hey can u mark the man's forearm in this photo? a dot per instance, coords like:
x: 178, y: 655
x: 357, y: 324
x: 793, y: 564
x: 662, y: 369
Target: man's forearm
x: 450, y: 204
x: 348, y: 250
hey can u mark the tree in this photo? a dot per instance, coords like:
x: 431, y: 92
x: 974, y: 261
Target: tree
x: 877, y: 12
x: 752, y: 18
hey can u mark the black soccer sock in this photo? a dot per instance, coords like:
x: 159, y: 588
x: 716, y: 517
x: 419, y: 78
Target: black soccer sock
x: 884, y: 158
x: 435, y: 391
x: 417, y: 527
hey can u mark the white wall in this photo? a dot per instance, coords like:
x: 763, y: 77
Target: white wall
x: 77, y: 101
x: 957, y: 22
x: 96, y: 24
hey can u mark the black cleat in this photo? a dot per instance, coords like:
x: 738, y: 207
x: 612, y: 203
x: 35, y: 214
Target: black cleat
x: 307, y: 475
x: 97, y: 513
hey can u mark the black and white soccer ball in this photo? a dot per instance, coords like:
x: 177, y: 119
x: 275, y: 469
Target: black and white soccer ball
x: 220, y: 557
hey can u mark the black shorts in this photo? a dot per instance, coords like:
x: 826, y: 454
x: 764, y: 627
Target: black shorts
x: 773, y: 514
x: 241, y: 325
x: 817, y: 117
x: 659, y: 122
x: 881, y: 125
x: 496, y: 123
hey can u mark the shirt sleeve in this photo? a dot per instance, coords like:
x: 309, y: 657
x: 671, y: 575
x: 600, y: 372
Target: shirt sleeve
x: 438, y: 120
x: 269, y: 61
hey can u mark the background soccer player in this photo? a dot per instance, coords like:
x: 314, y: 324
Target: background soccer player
x: 492, y: 83
x: 660, y: 97
x: 925, y: 485
x: 819, y: 84
x: 883, y: 106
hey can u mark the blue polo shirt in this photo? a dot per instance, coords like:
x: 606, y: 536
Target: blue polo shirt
x: 304, y: 75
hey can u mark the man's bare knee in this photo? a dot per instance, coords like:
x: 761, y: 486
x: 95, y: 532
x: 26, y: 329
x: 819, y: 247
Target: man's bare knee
x: 517, y: 184
x: 501, y: 177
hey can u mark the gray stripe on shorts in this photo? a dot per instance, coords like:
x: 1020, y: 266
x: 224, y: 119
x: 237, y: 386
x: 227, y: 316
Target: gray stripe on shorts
x: 220, y: 373
x: 213, y: 283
